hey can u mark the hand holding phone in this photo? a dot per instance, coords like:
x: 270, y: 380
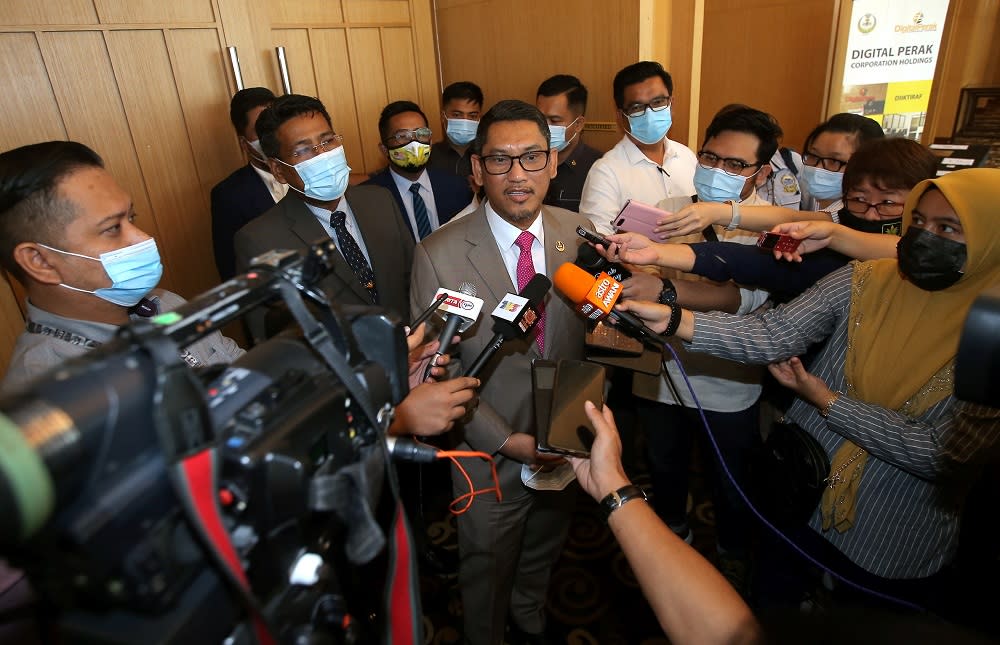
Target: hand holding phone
x: 777, y: 242
x: 592, y: 237
x: 636, y: 217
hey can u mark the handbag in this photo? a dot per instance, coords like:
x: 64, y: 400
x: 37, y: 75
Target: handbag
x: 789, y: 473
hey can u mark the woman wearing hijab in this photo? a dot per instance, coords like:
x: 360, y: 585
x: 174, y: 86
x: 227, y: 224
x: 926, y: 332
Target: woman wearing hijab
x: 879, y: 397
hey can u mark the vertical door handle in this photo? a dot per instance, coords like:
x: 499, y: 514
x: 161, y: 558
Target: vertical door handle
x: 234, y: 62
x: 286, y: 83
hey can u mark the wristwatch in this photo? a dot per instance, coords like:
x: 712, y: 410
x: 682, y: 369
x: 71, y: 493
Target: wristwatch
x: 668, y: 296
x: 735, y: 222
x: 617, y: 499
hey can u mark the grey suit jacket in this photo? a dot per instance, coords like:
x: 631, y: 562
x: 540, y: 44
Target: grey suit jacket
x: 291, y: 225
x: 466, y: 251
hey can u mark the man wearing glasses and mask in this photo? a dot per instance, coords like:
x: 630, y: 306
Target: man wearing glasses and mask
x: 428, y: 196
x: 645, y: 165
x: 507, y: 549
x: 376, y: 248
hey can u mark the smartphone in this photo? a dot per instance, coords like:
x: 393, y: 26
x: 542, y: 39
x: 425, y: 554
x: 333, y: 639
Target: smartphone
x: 777, y: 242
x: 636, y: 217
x: 593, y: 237
x: 570, y: 431
x: 543, y: 378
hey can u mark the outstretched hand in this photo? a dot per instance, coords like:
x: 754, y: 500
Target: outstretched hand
x: 794, y: 375
x: 603, y: 471
x: 815, y: 235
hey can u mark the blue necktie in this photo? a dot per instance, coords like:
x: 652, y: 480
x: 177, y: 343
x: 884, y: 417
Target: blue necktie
x: 352, y: 253
x: 420, y: 212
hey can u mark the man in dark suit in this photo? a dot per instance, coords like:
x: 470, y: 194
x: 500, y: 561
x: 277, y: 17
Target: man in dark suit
x: 249, y: 191
x: 429, y: 197
x: 507, y: 549
x: 376, y: 248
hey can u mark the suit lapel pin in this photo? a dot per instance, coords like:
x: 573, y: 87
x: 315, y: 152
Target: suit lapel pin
x: 560, y: 246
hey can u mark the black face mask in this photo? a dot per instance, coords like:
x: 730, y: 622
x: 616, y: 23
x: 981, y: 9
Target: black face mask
x: 930, y: 261
x: 892, y: 226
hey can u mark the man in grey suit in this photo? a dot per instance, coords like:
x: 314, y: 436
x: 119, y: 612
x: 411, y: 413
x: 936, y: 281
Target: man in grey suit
x: 376, y: 247
x: 507, y: 549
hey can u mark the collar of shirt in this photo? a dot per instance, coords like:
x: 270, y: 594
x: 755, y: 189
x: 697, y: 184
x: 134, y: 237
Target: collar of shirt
x: 506, y: 233
x: 636, y: 157
x: 275, y: 187
x: 323, y: 215
x: 96, y: 331
x: 426, y: 193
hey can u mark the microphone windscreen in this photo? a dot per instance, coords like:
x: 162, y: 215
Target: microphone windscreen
x: 536, y: 289
x: 588, y: 258
x: 573, y: 282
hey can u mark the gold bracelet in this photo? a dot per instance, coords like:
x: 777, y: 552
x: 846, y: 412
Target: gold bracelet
x: 825, y: 410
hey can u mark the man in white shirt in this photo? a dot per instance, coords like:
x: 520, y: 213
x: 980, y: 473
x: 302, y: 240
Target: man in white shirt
x: 249, y: 191
x: 645, y: 165
x: 732, y: 163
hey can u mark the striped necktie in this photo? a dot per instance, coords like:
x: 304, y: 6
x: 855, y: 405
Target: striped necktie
x: 420, y: 212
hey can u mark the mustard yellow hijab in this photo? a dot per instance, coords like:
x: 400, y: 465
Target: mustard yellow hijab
x: 901, y: 336
x: 902, y: 340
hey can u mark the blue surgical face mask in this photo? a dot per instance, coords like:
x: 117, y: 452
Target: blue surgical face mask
x: 325, y: 176
x: 823, y: 183
x: 461, y: 131
x: 134, y: 271
x: 557, y: 135
x: 715, y: 185
x: 651, y: 126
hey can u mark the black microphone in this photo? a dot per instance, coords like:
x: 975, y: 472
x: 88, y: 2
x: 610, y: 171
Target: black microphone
x: 515, y: 316
x: 462, y: 309
x: 588, y: 259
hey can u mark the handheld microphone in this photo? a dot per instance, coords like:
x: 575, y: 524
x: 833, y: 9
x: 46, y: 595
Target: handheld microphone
x: 461, y: 310
x: 588, y: 259
x: 515, y: 316
x: 596, y: 299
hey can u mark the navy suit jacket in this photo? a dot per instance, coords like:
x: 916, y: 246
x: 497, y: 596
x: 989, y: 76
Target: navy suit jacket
x: 236, y: 200
x: 451, y: 194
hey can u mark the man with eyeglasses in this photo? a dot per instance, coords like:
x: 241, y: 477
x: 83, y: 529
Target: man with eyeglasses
x: 507, y: 549
x: 429, y: 196
x: 732, y: 163
x: 645, y: 165
x: 563, y: 100
x: 376, y: 247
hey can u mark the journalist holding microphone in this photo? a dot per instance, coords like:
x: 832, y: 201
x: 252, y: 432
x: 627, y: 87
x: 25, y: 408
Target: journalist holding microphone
x: 879, y: 396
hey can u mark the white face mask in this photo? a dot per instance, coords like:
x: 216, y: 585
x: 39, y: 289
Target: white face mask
x: 257, y: 151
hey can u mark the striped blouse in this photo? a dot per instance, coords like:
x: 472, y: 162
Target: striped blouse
x: 919, y: 469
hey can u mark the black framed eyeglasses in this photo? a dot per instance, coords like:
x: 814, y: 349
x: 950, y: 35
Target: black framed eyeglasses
x: 657, y: 104
x: 531, y: 161
x: 400, y: 138
x: 729, y: 165
x: 325, y: 145
x: 859, y: 206
x: 826, y: 163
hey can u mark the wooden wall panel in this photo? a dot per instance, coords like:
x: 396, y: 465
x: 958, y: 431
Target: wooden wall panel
x: 11, y: 321
x: 201, y: 83
x: 368, y: 77
x: 154, y: 11
x: 530, y: 41
x: 400, y: 68
x: 426, y: 59
x: 377, y: 11
x: 81, y: 96
x: 64, y: 12
x: 156, y: 120
x: 299, y: 58
x: 305, y: 12
x: 744, y: 62
x: 243, y: 29
x: 29, y: 113
x: 337, y: 94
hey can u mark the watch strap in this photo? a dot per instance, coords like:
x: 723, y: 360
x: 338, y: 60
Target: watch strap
x: 616, y: 499
x: 668, y: 295
x: 675, y: 320
x: 734, y: 223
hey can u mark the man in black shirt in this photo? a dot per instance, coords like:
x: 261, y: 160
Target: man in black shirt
x: 563, y: 101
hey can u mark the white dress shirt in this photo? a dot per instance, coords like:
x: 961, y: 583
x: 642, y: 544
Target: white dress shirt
x: 624, y: 173
x: 275, y: 187
x: 426, y: 193
x: 505, y: 233
x: 323, y: 215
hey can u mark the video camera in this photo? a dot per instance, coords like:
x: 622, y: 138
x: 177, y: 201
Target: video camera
x: 152, y: 502
x: 977, y: 364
